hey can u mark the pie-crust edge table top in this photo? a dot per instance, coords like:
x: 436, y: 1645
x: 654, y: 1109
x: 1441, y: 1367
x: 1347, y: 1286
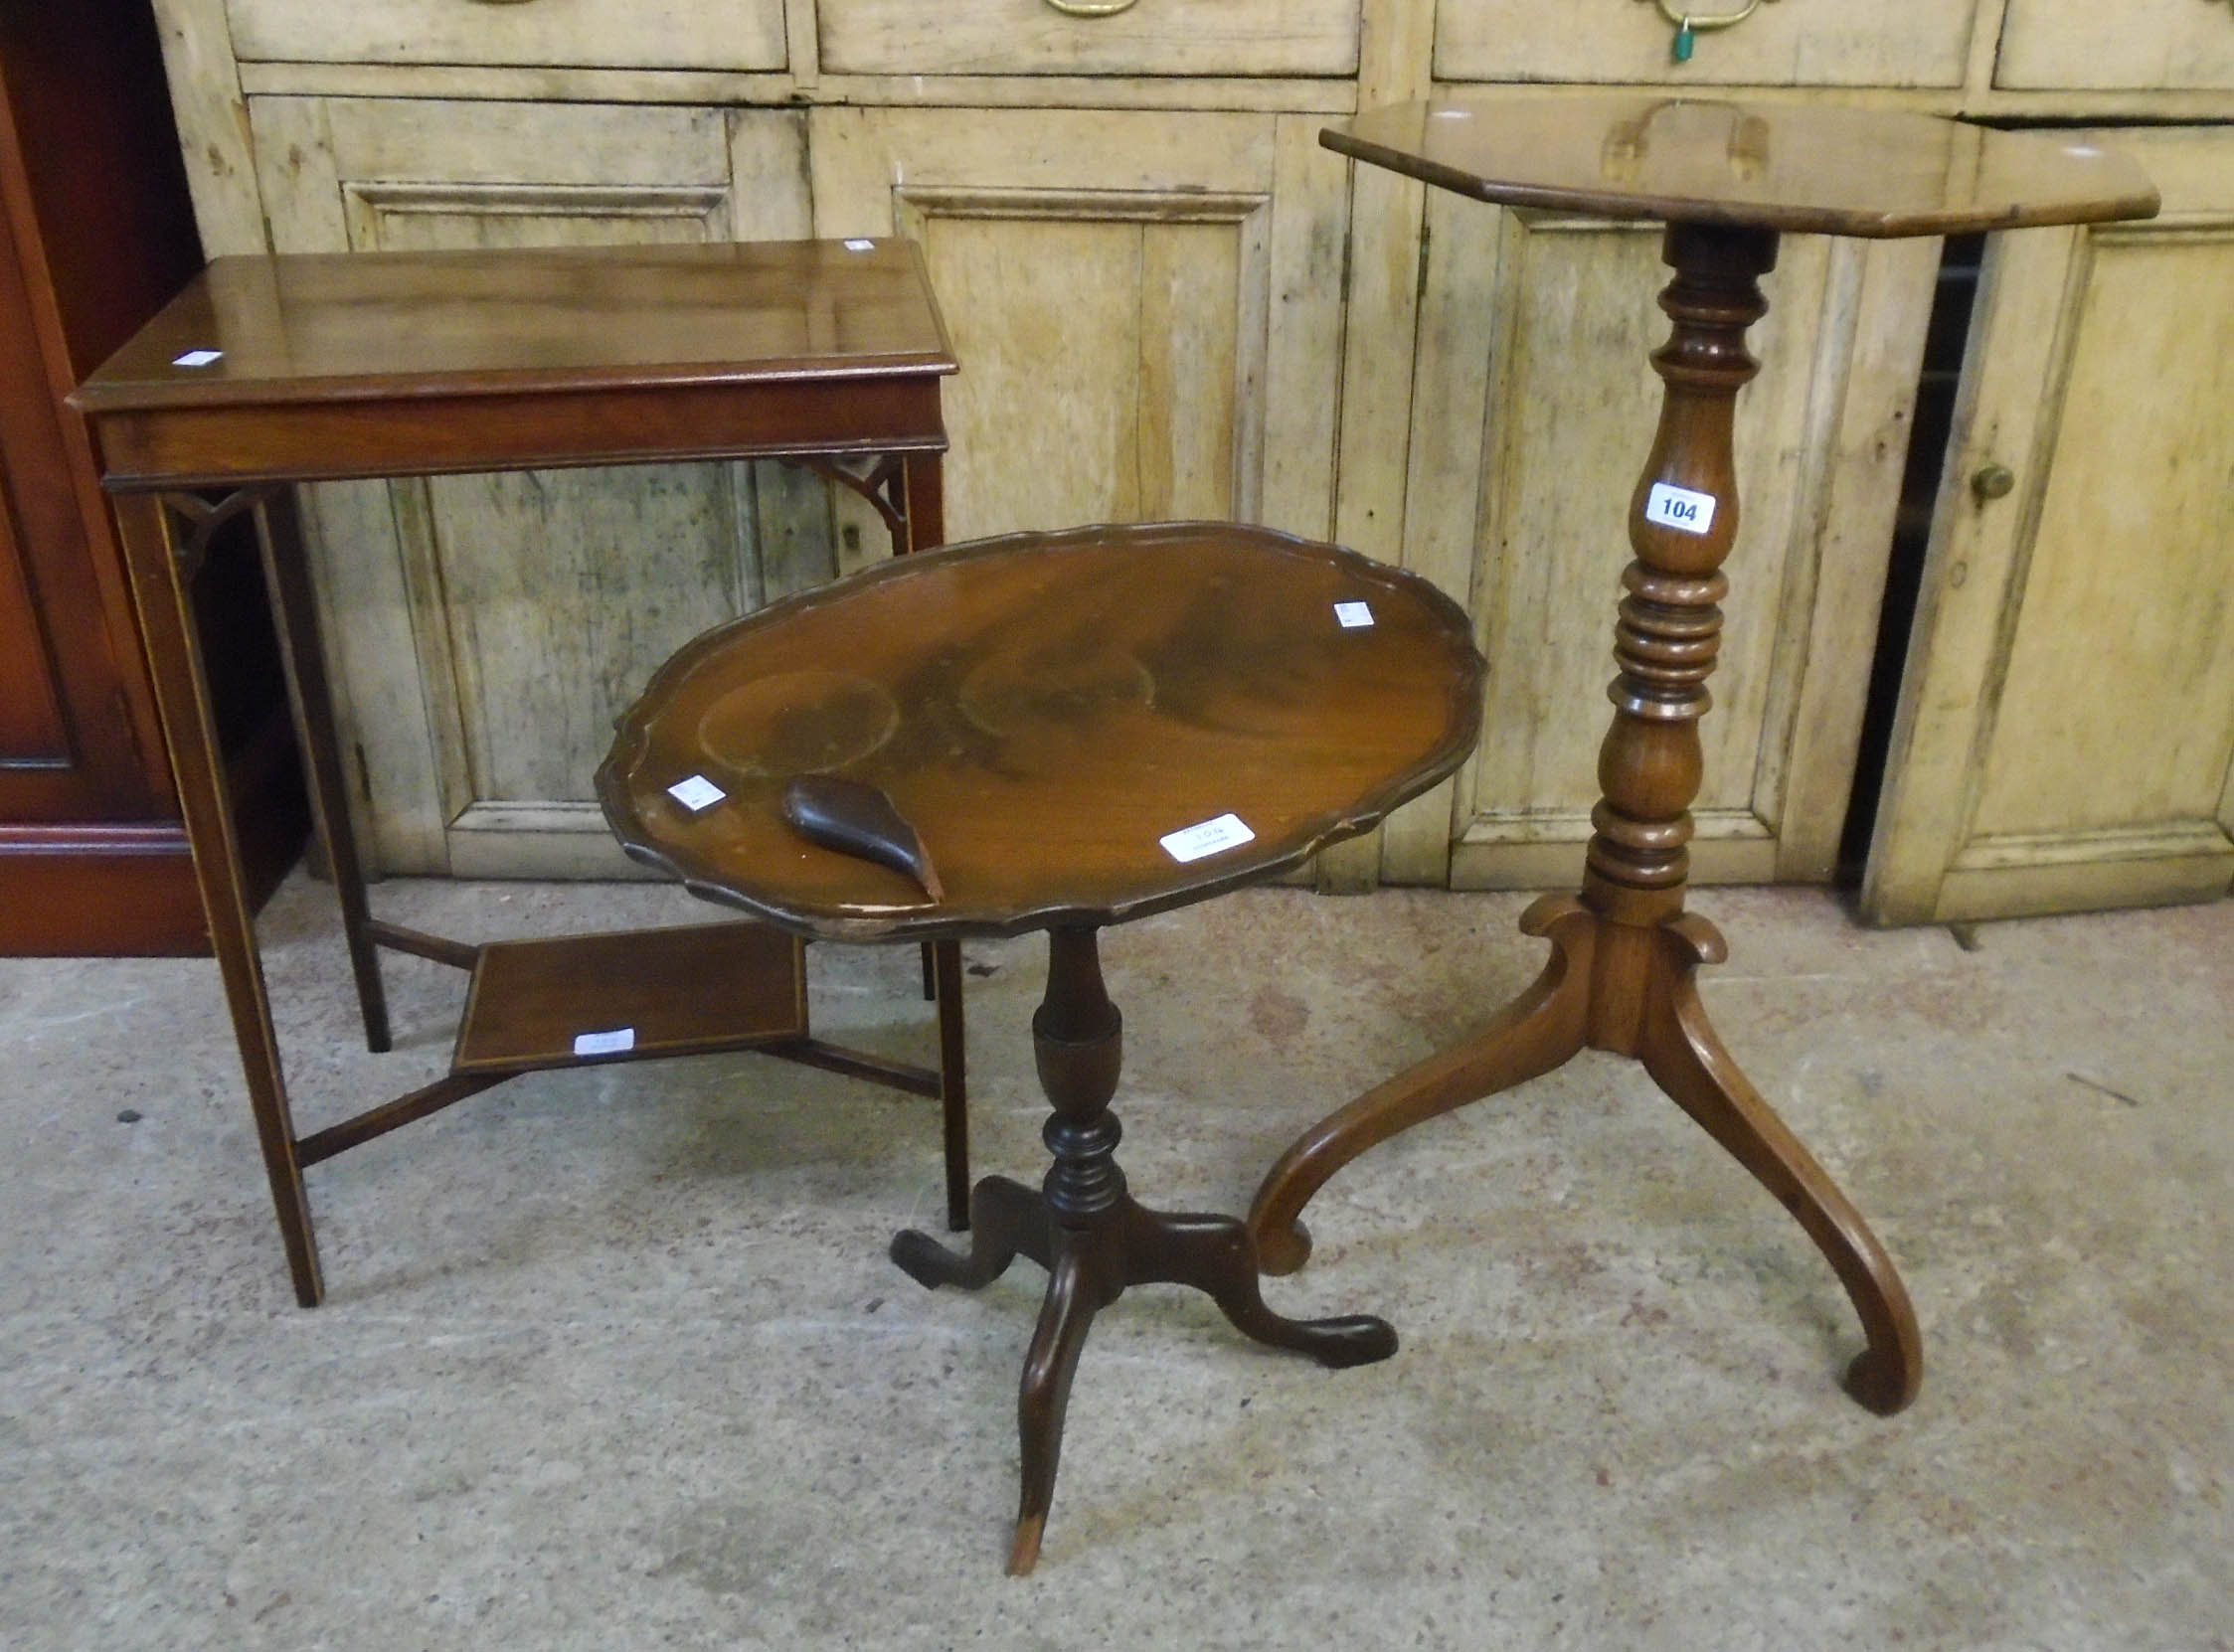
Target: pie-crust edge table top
x: 1815, y: 167
x: 1043, y: 709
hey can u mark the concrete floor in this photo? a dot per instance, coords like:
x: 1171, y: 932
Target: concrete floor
x: 614, y: 1359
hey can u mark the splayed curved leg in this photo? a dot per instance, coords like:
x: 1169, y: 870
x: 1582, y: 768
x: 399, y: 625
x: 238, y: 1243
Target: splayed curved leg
x: 1620, y: 978
x: 1535, y: 1032
x: 1007, y: 1219
x: 1074, y: 1296
x: 1214, y: 1255
x: 1686, y: 1057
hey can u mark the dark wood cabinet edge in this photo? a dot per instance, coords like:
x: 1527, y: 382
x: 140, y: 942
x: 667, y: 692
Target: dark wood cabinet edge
x: 126, y: 889
x: 75, y: 327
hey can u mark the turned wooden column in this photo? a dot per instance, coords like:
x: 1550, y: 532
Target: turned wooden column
x: 1084, y: 1228
x: 1078, y: 1047
x: 1684, y: 519
x: 1625, y: 953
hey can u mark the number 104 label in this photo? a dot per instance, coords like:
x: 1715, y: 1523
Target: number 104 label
x: 1679, y: 507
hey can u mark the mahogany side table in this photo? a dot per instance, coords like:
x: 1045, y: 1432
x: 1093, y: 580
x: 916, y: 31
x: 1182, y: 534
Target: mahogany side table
x: 1727, y: 178
x: 1055, y: 732
x: 265, y: 372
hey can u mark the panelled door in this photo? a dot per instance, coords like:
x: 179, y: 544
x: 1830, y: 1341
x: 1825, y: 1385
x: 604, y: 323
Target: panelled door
x: 1147, y: 305
x: 1533, y: 409
x: 2066, y: 732
x: 485, y: 629
x: 68, y: 750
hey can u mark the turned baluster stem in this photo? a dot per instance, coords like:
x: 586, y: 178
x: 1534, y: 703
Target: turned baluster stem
x: 1682, y: 521
x: 1078, y: 1043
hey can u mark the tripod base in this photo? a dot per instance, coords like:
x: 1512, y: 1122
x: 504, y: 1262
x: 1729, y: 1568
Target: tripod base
x: 1089, y: 1267
x: 1631, y: 989
x: 1093, y: 1239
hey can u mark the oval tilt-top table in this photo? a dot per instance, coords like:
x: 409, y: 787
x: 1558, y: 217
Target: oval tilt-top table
x: 1054, y: 731
x: 1727, y: 178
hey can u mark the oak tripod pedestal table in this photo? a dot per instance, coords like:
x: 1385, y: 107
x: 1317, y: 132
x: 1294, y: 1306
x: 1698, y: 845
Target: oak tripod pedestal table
x: 1055, y: 732
x: 1727, y: 178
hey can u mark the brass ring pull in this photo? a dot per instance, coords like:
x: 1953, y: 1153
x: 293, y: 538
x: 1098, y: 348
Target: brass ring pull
x: 1706, y: 22
x: 1689, y: 25
x: 1092, y: 8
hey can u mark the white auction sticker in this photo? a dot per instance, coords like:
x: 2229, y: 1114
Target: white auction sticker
x: 197, y: 357
x: 604, y: 1044
x: 1354, y: 615
x: 859, y: 246
x: 1679, y: 507
x: 1191, y: 843
x: 697, y: 794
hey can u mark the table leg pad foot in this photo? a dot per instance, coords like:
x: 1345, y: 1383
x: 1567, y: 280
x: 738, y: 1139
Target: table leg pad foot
x: 1879, y: 1383
x: 1007, y: 1219
x: 1352, y: 1339
x: 1215, y: 1255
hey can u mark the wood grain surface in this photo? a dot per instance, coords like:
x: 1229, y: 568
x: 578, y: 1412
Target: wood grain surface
x: 1816, y: 167
x: 396, y: 325
x: 1042, y: 710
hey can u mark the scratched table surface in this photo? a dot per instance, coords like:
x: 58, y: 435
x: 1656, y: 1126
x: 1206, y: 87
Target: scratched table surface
x: 1046, y: 710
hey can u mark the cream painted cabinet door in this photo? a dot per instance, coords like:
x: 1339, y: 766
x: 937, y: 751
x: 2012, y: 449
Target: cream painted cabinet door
x: 484, y: 630
x: 1533, y: 409
x: 1147, y: 306
x: 2065, y: 737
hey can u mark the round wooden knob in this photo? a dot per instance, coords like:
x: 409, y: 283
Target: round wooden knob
x: 1993, y: 481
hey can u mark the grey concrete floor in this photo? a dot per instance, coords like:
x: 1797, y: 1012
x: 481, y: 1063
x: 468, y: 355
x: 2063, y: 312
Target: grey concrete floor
x: 614, y: 1359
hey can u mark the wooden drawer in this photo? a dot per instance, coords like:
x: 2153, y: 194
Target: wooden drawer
x: 2140, y: 44
x: 615, y: 34
x: 1036, y: 37
x: 1887, y: 43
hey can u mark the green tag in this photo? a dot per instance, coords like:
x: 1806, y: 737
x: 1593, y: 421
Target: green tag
x: 1684, y: 40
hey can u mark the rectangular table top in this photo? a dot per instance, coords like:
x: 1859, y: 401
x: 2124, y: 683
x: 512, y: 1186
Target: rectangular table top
x: 394, y: 326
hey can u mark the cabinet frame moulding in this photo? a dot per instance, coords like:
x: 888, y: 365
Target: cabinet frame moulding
x: 1930, y: 860
x: 724, y: 89
x: 1968, y: 102
x: 364, y: 201
x: 914, y: 207
x: 2197, y: 855
x: 341, y: 176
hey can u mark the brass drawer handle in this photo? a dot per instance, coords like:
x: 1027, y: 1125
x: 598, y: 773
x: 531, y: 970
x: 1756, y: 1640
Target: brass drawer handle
x: 1689, y: 25
x: 1092, y: 8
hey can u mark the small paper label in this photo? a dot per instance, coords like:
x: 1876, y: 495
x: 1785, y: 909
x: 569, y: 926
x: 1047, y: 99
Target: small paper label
x: 1679, y: 507
x: 697, y: 794
x: 858, y: 245
x: 604, y: 1044
x: 197, y: 357
x: 1191, y: 843
x: 1354, y: 615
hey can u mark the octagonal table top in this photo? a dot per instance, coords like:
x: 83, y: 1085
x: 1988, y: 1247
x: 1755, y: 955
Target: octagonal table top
x: 1816, y: 166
